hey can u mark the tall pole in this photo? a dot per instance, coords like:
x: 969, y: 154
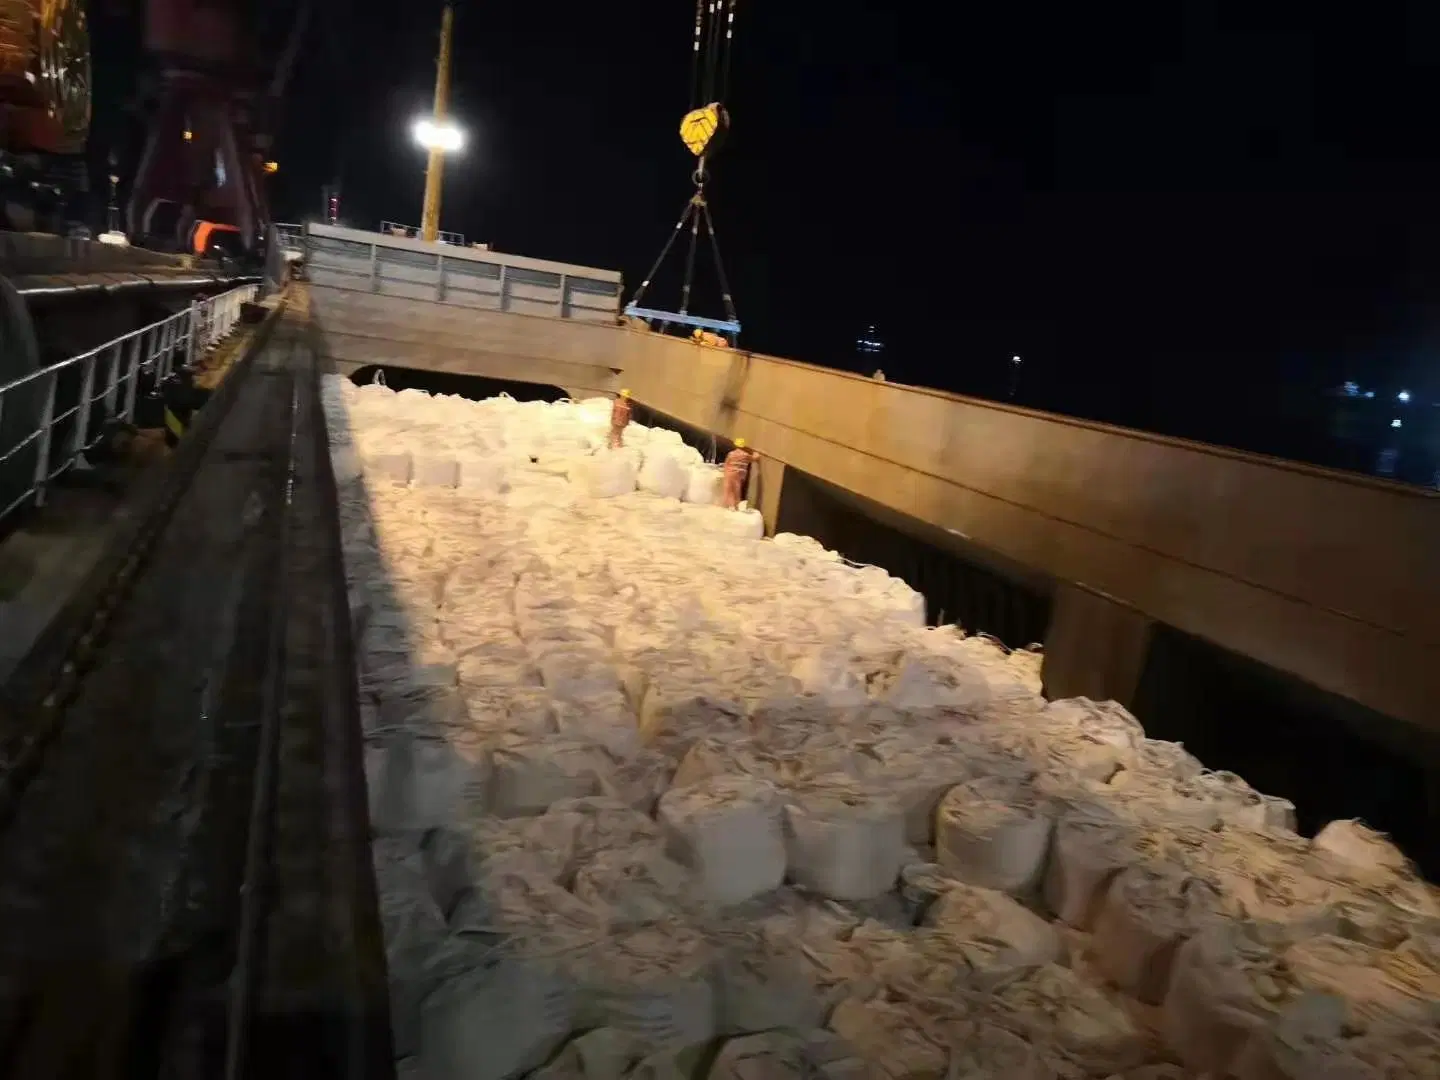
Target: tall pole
x: 435, y: 170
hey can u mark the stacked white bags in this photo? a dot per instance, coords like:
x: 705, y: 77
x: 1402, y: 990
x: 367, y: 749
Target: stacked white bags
x: 641, y: 779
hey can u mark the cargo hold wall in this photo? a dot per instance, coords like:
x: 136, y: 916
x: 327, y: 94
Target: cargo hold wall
x: 1322, y: 575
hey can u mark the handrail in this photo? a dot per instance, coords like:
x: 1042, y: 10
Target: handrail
x: 412, y: 232
x: 289, y: 235
x: 149, y: 351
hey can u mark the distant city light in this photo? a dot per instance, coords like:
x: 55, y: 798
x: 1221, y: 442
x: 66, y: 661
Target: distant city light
x: 1403, y: 396
x: 1351, y: 389
x: 443, y: 136
x: 869, y: 342
x: 1396, y: 423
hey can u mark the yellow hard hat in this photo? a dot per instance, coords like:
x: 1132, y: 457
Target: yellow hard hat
x: 739, y: 444
x: 624, y: 393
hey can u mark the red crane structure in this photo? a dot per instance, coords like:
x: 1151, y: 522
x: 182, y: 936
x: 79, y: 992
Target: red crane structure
x: 199, y: 184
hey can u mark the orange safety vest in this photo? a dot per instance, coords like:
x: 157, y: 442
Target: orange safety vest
x: 737, y: 464
x: 620, y: 413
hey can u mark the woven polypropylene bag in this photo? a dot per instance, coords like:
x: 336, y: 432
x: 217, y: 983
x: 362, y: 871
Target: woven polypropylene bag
x: 1089, y: 850
x: 1352, y: 843
x: 663, y: 475
x: 763, y: 982
x: 605, y: 476
x: 423, y: 781
x: 530, y: 774
x: 497, y: 1018
x: 435, y: 471
x: 995, y: 833
x: 969, y: 912
x: 601, y: 1054
x: 414, y: 928
x: 1228, y: 984
x: 893, y: 1038
x: 804, y: 1054
x: 729, y: 831
x: 1075, y: 1021
x: 703, y: 485
x: 1148, y: 911
x: 979, y: 1051
x: 636, y: 886
x: 655, y: 980
x: 844, y: 840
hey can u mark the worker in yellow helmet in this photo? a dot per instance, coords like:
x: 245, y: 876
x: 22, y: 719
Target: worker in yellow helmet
x: 737, y: 473
x: 619, y: 419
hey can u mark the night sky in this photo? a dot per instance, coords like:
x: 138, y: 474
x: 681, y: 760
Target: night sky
x: 1189, y: 216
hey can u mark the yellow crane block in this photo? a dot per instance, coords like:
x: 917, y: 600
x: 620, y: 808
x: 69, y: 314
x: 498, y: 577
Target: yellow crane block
x: 702, y: 129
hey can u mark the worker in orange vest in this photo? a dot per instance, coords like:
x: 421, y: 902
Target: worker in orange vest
x: 737, y: 472
x: 619, y: 419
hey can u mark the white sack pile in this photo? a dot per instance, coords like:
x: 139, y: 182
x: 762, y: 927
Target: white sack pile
x: 642, y: 780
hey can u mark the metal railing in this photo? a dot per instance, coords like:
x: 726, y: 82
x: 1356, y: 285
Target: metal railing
x: 412, y: 232
x: 109, y: 377
x: 343, y: 258
x: 289, y: 237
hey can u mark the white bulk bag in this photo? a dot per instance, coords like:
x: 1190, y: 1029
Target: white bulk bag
x: 894, y: 1036
x: 391, y: 467
x: 1233, y: 982
x: 921, y: 884
x: 979, y: 1051
x: 972, y: 913
x: 745, y: 523
x: 1167, y: 759
x: 639, y: 781
x: 1228, y: 984
x: 804, y: 1054
x: 603, y: 823
x: 826, y: 673
x: 728, y: 830
x: 1359, y: 847
x: 495, y: 1019
x: 435, y: 471
x: 1239, y: 804
x: 1089, y: 850
x: 603, y: 719
x: 423, y: 781
x: 994, y: 832
x: 842, y: 840
x: 1094, y: 739
x: 482, y: 475
x: 602, y: 1054
x: 703, y: 485
x: 934, y: 965
x: 414, y: 928
x: 1147, y: 912
x: 927, y: 682
x: 606, y: 475
x: 1312, y: 1038
x: 663, y: 475
x: 528, y: 774
x: 654, y: 981
x: 636, y: 886
x: 347, y: 465
x: 1053, y: 1007
x: 763, y: 983
x: 1268, y: 874
x: 674, y: 713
